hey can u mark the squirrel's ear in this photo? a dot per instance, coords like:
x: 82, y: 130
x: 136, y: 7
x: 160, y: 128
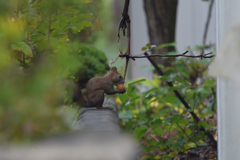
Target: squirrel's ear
x: 114, y: 69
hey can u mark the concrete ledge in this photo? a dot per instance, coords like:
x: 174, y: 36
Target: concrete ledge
x: 92, y: 119
x: 97, y: 137
x: 75, y: 146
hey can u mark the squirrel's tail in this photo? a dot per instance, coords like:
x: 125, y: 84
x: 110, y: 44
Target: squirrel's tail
x: 78, y: 96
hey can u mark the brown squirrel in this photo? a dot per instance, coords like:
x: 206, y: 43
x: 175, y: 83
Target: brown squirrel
x: 97, y: 86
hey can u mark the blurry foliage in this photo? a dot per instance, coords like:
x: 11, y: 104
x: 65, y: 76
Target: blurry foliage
x: 41, y: 44
x: 93, y: 63
x: 157, y: 118
x: 107, y: 39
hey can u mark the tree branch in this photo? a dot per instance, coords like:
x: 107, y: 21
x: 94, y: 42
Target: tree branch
x: 207, y: 55
x: 207, y: 25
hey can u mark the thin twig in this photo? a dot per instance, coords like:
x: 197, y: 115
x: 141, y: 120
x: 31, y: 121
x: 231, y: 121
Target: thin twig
x: 207, y: 25
x: 207, y: 55
x: 182, y: 129
x: 125, y: 23
x: 214, y: 98
x: 25, y: 39
x: 38, y: 26
x: 49, y: 33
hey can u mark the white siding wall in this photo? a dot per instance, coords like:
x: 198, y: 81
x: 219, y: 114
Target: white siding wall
x: 191, y: 19
x: 226, y: 67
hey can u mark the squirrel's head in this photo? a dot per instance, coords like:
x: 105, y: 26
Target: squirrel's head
x: 116, y: 77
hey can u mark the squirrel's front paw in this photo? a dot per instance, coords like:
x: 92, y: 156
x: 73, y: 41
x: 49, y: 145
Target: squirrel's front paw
x: 122, y: 91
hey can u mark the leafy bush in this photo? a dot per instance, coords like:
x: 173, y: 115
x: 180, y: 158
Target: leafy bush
x: 158, y: 119
x: 93, y: 63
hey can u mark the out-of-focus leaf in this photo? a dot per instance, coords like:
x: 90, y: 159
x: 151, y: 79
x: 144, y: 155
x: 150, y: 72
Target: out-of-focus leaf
x: 144, y: 48
x: 170, y: 98
x: 139, y: 132
x: 137, y: 81
x: 158, y: 130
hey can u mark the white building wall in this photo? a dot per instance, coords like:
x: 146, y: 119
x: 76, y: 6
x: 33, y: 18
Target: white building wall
x: 191, y: 20
x: 139, y: 39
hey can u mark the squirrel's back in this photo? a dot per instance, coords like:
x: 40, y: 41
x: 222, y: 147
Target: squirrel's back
x: 104, y: 83
x: 96, y: 83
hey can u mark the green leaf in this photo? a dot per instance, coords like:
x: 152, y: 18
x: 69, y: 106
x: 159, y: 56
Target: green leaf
x: 55, y: 25
x: 176, y: 118
x: 191, y: 145
x: 15, y: 47
x: 137, y: 81
x: 180, y: 79
x: 86, y: 24
x: 129, y: 91
x: 84, y: 16
x: 202, y: 144
x: 152, y: 142
x: 167, y: 45
x: 144, y: 48
x: 207, y: 110
x: 158, y: 130
x: 150, y: 91
x: 162, y: 77
x: 183, y: 121
x: 166, y: 157
x: 170, y: 98
x: 170, y: 77
x: 24, y: 47
x: 129, y: 124
x: 157, y: 157
x: 125, y: 114
x: 188, y: 131
x: 139, y: 132
x: 156, y: 123
x: 123, y: 98
x: 160, y: 66
x: 202, y: 90
x: 210, y: 82
x: 179, y: 144
x: 174, y: 88
x: 148, y: 45
x: 204, y: 124
x: 141, y: 122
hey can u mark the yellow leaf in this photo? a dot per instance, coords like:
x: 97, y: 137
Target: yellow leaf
x: 118, y: 101
x: 135, y: 111
x: 176, y: 109
x: 29, y: 55
x: 180, y: 110
x: 157, y: 157
x: 55, y: 51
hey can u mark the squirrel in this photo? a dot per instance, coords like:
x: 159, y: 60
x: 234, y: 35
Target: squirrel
x: 97, y: 86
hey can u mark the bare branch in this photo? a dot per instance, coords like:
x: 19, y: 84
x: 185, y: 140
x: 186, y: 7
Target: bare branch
x: 207, y: 25
x: 125, y: 23
x: 112, y: 61
x: 207, y: 55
